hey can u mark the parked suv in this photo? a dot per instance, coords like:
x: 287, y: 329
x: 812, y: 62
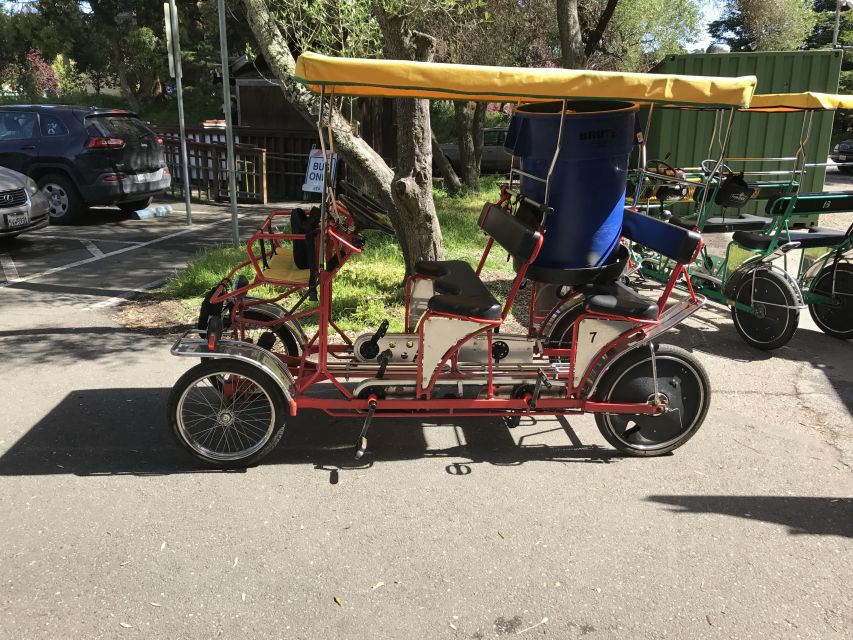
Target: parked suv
x: 83, y: 156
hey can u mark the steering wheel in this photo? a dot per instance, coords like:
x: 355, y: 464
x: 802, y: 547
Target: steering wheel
x: 365, y: 214
x: 709, y: 164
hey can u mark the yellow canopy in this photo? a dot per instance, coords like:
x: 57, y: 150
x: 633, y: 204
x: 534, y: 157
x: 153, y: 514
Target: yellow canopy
x: 807, y: 101
x: 406, y: 79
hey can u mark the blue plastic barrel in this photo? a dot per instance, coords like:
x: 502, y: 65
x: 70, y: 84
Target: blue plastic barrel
x: 589, y: 179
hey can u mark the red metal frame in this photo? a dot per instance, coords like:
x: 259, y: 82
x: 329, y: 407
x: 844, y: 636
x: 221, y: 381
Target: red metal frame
x: 314, y: 365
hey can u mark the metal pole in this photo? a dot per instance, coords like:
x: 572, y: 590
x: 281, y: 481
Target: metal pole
x: 837, y: 22
x: 176, y: 53
x: 230, y: 165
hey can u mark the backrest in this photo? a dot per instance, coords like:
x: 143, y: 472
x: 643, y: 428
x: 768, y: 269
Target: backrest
x: 512, y: 234
x: 834, y: 202
x: 662, y: 237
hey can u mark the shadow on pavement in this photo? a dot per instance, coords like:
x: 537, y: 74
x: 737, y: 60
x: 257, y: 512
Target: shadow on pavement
x: 125, y: 431
x: 802, y: 515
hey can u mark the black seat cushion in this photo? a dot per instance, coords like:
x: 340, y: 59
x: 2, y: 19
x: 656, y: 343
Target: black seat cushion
x: 618, y: 299
x: 808, y: 238
x: 458, y: 290
x: 722, y: 224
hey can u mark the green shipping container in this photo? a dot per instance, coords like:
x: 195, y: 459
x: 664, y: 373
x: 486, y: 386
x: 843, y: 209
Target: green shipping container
x: 684, y: 136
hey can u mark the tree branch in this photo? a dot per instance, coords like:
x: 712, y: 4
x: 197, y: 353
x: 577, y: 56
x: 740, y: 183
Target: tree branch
x: 598, y: 33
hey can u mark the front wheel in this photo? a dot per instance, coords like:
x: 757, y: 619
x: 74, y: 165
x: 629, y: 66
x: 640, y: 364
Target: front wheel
x: 774, y: 316
x: 681, y: 380
x: 836, y: 318
x: 227, y: 413
x: 65, y: 205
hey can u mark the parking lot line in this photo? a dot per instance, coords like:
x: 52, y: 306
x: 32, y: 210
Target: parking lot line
x: 9, y: 268
x: 130, y: 293
x: 95, y: 251
x: 90, y: 239
x: 78, y: 263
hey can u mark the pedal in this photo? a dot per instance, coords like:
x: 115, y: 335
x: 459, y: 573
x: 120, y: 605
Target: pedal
x: 541, y: 380
x: 361, y: 445
x: 383, y: 359
x: 370, y: 349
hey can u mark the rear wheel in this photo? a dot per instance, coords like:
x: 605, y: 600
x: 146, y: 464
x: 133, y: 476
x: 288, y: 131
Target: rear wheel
x: 227, y: 413
x: 774, y: 316
x: 834, y: 319
x: 681, y: 380
x: 65, y: 205
x: 134, y: 205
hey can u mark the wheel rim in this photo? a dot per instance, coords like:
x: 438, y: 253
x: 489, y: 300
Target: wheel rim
x: 771, y: 315
x: 225, y: 416
x: 252, y: 333
x: 57, y: 198
x: 838, y: 316
x: 679, y: 384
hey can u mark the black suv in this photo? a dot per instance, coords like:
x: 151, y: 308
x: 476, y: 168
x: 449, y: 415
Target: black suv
x: 84, y: 156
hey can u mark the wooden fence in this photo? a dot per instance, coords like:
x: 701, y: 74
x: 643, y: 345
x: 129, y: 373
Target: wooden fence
x: 270, y: 162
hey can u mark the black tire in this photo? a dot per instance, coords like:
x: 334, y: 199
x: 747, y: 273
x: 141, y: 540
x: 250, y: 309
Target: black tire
x: 836, y: 319
x: 775, y: 316
x: 561, y: 333
x: 285, y: 340
x: 135, y: 205
x: 681, y: 378
x: 65, y: 205
x: 210, y: 429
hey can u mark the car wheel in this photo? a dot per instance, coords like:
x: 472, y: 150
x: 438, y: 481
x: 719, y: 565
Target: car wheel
x: 134, y: 205
x: 64, y: 203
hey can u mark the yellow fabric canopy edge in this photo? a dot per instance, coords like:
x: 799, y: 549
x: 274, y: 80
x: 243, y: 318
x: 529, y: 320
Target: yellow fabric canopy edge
x: 806, y: 101
x: 443, y: 81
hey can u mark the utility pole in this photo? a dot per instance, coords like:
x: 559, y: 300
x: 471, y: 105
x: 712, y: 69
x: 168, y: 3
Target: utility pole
x: 230, y: 165
x: 175, y: 52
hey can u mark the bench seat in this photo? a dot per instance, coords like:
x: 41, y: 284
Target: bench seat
x: 808, y: 238
x: 618, y: 299
x: 458, y: 290
x: 720, y: 224
x: 282, y: 268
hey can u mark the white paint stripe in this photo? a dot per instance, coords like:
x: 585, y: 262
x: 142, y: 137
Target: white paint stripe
x: 92, y: 248
x: 107, y: 240
x: 9, y: 268
x: 110, y: 302
x: 65, y: 267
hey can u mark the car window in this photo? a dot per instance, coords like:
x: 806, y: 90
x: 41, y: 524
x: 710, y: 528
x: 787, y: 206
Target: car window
x: 16, y: 125
x: 491, y: 138
x: 117, y: 126
x: 52, y: 126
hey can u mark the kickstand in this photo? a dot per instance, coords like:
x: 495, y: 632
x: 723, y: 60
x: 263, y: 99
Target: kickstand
x: 361, y: 445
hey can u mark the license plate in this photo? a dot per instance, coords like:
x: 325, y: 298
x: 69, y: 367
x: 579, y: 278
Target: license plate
x: 17, y: 220
x: 842, y: 158
x: 154, y: 176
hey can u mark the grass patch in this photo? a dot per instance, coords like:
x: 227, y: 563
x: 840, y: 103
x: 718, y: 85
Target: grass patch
x: 369, y: 288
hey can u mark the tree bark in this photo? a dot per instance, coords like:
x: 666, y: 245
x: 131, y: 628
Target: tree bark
x: 571, y: 41
x: 451, y: 181
x: 595, y: 36
x: 468, y: 165
x: 411, y: 187
x: 478, y: 124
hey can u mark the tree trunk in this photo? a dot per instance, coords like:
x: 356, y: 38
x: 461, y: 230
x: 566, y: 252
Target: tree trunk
x: 571, y: 42
x: 411, y: 187
x: 358, y: 155
x: 451, y: 180
x: 478, y: 124
x: 469, y: 165
x: 127, y: 91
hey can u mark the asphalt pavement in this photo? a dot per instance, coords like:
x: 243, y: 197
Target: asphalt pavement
x: 447, y: 529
